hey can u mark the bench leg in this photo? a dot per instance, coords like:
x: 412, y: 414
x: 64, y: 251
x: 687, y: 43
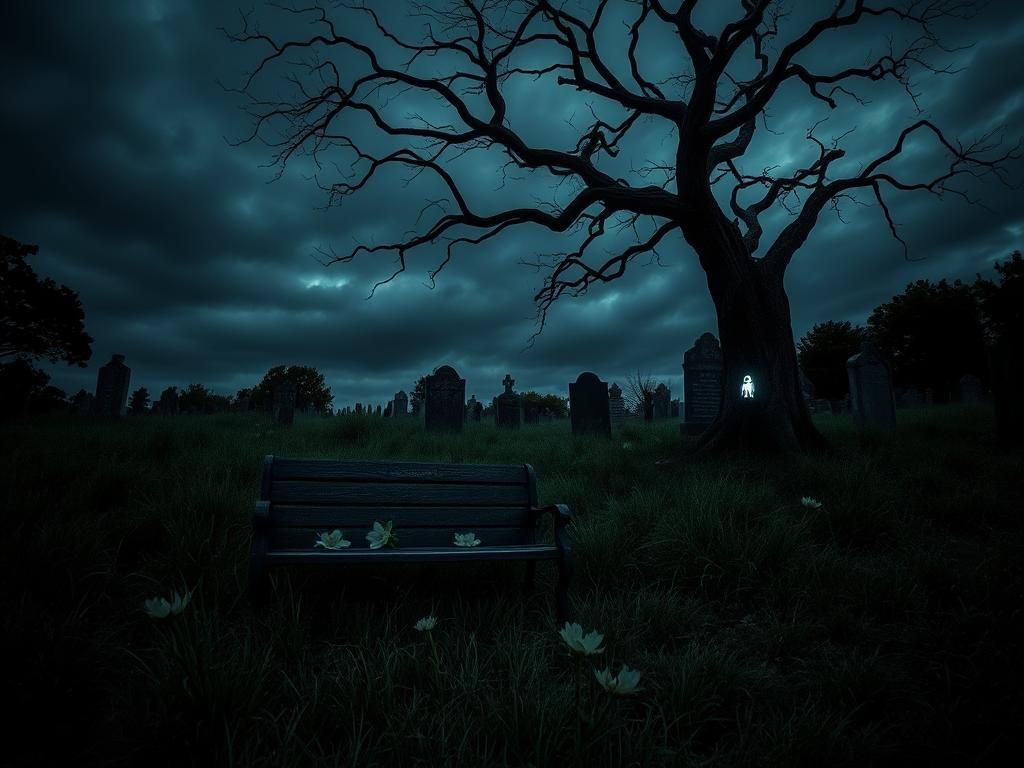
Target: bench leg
x: 565, y: 569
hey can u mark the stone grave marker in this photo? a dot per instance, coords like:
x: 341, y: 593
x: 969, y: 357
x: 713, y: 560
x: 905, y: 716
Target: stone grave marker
x: 445, y: 400
x: 508, y: 406
x: 589, y: 412
x: 474, y: 410
x: 112, y: 383
x: 662, y: 401
x: 616, y: 404
x: 702, y: 384
x: 401, y: 404
x: 871, y: 396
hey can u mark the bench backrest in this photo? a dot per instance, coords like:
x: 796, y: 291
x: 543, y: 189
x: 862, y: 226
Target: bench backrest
x: 427, y: 502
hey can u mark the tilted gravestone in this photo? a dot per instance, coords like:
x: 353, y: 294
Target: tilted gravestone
x: 401, y: 404
x: 508, y: 405
x: 588, y: 406
x: 112, y: 383
x: 871, y: 396
x: 662, y: 401
x: 616, y: 404
x: 444, y: 400
x: 702, y: 384
x: 970, y: 388
x: 284, y: 403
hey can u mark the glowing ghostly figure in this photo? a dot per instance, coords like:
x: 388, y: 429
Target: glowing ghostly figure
x: 747, y: 390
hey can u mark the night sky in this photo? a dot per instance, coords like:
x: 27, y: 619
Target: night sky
x: 116, y: 163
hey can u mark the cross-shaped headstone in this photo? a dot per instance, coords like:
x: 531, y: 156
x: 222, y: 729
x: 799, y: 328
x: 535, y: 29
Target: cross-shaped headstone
x: 508, y: 381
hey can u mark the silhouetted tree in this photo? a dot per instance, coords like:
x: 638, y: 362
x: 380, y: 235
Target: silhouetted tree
x: 194, y: 399
x: 311, y: 390
x: 419, y: 390
x: 711, y: 109
x: 38, y: 318
x: 931, y: 334
x: 823, y: 352
x: 553, y: 404
x: 24, y: 389
x: 639, y: 395
x: 139, y: 401
x: 1001, y: 304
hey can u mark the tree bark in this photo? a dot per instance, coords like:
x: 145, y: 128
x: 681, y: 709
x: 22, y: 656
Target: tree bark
x: 756, y: 334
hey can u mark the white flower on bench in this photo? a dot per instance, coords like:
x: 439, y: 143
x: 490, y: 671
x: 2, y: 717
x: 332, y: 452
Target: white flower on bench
x: 466, y: 540
x: 381, y: 535
x: 333, y: 540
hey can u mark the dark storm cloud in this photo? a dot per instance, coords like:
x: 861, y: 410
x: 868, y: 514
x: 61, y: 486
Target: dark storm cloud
x: 197, y: 269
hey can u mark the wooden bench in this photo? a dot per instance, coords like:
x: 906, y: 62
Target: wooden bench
x: 428, y: 504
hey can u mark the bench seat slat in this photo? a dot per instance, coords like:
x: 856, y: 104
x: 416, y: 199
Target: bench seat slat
x: 397, y: 471
x: 462, y: 518
x: 396, y: 494
x: 305, y: 538
x: 412, y: 555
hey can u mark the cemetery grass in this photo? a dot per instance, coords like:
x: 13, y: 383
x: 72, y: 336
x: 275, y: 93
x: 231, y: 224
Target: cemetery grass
x: 881, y: 628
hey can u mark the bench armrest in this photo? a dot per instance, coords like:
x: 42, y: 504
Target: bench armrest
x: 261, y: 515
x: 562, y: 516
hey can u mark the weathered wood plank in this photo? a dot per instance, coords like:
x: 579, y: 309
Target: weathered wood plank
x: 398, y: 471
x: 421, y: 555
x: 463, y: 518
x: 305, y: 538
x: 398, y: 494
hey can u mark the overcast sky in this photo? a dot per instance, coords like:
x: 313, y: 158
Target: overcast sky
x: 196, y: 268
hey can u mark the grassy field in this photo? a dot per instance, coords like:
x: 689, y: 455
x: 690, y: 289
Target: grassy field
x: 883, y: 628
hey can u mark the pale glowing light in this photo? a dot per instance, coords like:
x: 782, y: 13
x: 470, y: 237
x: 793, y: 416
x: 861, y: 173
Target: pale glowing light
x: 747, y: 390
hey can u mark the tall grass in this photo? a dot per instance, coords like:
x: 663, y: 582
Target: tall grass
x: 879, y: 629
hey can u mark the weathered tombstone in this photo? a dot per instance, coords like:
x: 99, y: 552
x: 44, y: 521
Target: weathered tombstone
x: 970, y: 388
x: 508, y: 405
x: 445, y: 400
x: 871, y: 395
x: 401, y: 404
x: 388, y: 409
x: 474, y: 410
x: 378, y: 411
x: 588, y: 406
x: 284, y: 403
x: 662, y: 401
x: 112, y: 383
x: 616, y: 405
x: 702, y: 384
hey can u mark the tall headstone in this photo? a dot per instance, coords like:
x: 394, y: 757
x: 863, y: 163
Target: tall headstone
x: 662, y: 401
x: 401, y: 404
x: 388, y: 413
x: 702, y: 384
x: 970, y: 388
x: 284, y: 403
x: 616, y: 404
x: 871, y: 397
x: 588, y: 406
x: 445, y: 400
x: 508, y: 405
x: 474, y: 409
x: 112, y: 383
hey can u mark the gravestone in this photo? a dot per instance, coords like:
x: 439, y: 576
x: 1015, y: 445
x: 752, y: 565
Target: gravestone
x: 401, y: 404
x: 474, y: 409
x: 112, y: 383
x: 662, y: 401
x: 702, y: 384
x: 589, y: 411
x: 970, y: 388
x: 445, y: 400
x: 508, y: 405
x: 387, y: 409
x: 284, y: 403
x: 616, y: 405
x: 378, y: 411
x: 871, y: 396
x: 417, y: 406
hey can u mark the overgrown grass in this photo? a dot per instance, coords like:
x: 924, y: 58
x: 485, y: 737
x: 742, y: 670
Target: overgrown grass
x: 882, y: 628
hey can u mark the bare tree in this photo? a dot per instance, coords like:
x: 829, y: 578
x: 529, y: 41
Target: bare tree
x: 640, y: 395
x: 712, y: 119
